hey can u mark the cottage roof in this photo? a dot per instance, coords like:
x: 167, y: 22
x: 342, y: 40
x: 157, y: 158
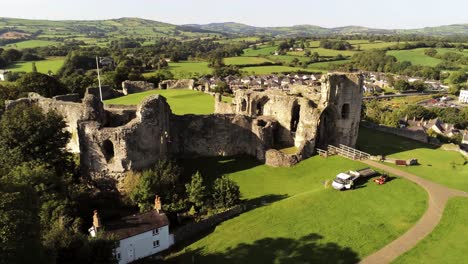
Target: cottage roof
x: 136, y: 224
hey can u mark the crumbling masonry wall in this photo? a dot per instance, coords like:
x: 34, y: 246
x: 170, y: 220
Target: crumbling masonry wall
x: 114, y: 139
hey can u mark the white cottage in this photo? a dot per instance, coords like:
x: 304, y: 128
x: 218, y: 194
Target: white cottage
x: 3, y: 74
x: 463, y: 98
x: 139, y: 235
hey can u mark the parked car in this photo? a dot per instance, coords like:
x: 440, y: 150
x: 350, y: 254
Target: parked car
x: 344, y: 181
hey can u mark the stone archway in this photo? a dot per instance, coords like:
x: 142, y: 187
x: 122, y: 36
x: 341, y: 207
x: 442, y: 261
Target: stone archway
x: 326, y: 130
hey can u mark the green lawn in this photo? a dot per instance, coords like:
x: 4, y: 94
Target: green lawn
x: 273, y: 69
x: 182, y: 101
x: 187, y: 69
x: 32, y: 44
x: 43, y: 66
x: 448, y: 168
x: 448, y: 243
x: 245, y: 60
x: 297, y: 220
x: 415, y: 56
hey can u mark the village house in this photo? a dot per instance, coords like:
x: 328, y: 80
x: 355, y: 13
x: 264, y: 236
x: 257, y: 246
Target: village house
x: 436, y: 125
x: 3, y: 74
x: 139, y: 236
x: 463, y: 98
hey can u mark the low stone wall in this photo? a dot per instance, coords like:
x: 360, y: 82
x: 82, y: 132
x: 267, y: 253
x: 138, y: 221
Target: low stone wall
x: 193, y: 229
x: 402, y: 132
x: 130, y: 87
x: 107, y: 92
x: 276, y: 158
x: 177, y: 84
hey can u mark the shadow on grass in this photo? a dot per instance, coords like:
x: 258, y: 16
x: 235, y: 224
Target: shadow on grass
x: 212, y: 168
x: 307, y: 249
x: 249, y: 205
x: 378, y: 143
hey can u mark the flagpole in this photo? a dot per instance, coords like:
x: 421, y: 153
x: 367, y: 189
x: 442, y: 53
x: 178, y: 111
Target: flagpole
x: 99, y: 78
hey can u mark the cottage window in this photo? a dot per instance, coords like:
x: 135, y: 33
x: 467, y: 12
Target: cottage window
x: 155, y: 243
x: 155, y: 231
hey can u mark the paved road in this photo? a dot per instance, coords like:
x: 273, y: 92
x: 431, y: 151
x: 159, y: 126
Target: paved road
x: 438, y: 197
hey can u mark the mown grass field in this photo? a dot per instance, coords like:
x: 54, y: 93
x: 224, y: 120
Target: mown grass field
x: 448, y: 168
x: 32, y: 44
x: 182, y: 101
x: 448, y: 243
x: 261, y: 50
x: 297, y: 220
x: 43, y: 66
x: 245, y: 60
x: 272, y: 69
x: 186, y: 69
x: 415, y: 56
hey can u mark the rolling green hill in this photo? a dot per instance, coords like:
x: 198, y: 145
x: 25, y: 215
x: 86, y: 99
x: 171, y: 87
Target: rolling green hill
x: 92, y: 30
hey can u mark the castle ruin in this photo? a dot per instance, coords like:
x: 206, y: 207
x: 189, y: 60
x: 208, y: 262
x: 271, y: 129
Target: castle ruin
x: 114, y: 139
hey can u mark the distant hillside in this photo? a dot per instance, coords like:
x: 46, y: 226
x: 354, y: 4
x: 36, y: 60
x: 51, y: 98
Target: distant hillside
x: 100, y: 32
x: 93, y: 30
x: 306, y: 30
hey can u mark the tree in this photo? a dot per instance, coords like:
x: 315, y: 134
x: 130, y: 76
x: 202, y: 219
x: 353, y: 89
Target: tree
x: 34, y: 68
x: 225, y: 193
x: 196, y: 190
x: 430, y: 52
x: 419, y: 86
x: 458, y: 77
x: 19, y: 225
x: 307, y: 53
x: 162, y: 180
x: 27, y: 134
x: 42, y: 84
x: 402, y: 85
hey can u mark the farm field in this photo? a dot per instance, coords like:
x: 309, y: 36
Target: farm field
x: 323, y: 66
x: 31, y: 44
x: 448, y: 242
x: 261, y: 50
x: 272, y: 69
x: 43, y: 66
x: 415, y: 56
x: 182, y: 101
x: 448, y: 168
x: 297, y: 220
x: 186, y: 69
x: 245, y: 60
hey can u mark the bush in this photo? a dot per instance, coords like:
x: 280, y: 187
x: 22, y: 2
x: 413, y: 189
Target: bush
x: 225, y: 193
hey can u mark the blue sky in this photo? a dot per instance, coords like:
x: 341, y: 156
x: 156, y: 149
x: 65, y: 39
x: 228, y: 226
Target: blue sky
x: 327, y: 13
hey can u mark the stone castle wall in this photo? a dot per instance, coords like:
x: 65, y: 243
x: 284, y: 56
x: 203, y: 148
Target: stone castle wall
x: 115, y: 139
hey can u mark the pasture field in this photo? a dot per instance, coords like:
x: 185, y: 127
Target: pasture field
x: 32, y: 44
x: 245, y: 60
x: 186, y: 69
x: 288, y: 58
x: 374, y: 45
x: 415, y: 56
x: 43, y: 66
x: 182, y: 101
x: 448, y: 242
x: 294, y: 219
x: 448, y: 168
x: 259, y: 70
x: 323, y: 66
x: 260, y: 51
x: 332, y: 53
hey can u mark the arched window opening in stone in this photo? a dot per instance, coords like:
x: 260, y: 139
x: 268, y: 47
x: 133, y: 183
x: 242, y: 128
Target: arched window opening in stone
x: 295, y: 116
x: 259, y: 109
x: 243, y: 105
x: 345, y: 111
x: 108, y: 150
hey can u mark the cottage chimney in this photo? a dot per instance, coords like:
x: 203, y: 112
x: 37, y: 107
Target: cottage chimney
x: 96, y: 220
x: 157, y: 204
